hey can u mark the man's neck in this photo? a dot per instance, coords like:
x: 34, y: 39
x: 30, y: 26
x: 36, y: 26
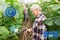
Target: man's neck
x: 40, y: 12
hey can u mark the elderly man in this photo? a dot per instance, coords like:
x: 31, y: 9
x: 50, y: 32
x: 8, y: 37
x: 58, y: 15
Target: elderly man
x: 38, y: 27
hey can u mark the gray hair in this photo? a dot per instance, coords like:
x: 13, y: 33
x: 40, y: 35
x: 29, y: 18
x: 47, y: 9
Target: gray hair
x: 35, y: 6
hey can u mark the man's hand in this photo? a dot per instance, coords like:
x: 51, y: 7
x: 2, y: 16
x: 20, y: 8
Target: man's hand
x: 28, y: 31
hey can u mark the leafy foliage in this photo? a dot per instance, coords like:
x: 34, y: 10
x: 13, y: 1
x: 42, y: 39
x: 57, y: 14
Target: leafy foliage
x: 50, y: 9
x: 15, y: 21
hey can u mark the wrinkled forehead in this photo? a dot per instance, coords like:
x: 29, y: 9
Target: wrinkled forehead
x: 35, y: 10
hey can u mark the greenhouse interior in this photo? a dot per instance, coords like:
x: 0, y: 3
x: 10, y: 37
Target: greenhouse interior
x: 17, y: 19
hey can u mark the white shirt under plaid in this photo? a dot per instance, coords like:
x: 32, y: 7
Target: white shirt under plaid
x: 39, y: 28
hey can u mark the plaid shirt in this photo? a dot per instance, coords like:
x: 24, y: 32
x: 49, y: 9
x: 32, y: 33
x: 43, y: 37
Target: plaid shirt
x: 39, y: 28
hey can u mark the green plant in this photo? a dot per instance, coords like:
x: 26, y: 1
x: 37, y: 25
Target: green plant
x: 8, y: 22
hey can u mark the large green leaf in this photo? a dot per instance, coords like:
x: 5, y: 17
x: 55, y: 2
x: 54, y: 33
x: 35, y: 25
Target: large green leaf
x: 4, y: 33
x: 49, y: 22
x: 57, y: 22
x: 55, y: 6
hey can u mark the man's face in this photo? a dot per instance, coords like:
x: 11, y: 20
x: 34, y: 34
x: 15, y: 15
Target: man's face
x: 35, y: 12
